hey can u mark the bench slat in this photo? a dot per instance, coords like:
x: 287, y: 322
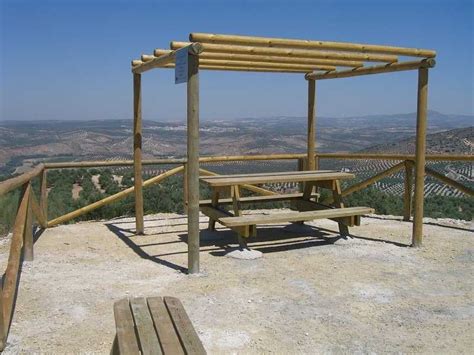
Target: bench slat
x: 167, y: 336
x: 271, y: 178
x: 188, y: 336
x: 294, y: 216
x: 126, y: 339
x: 146, y: 332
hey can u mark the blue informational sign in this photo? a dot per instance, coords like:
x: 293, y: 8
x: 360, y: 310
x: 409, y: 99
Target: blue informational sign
x: 181, y: 66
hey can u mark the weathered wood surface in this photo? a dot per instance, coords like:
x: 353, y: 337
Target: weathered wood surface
x: 408, y: 190
x: 311, y: 139
x: 13, y: 183
x: 298, y: 176
x: 295, y: 216
x: 208, y: 159
x: 377, y: 69
x: 308, y: 44
x: 149, y: 343
x: 138, y: 68
x: 420, y: 151
x: 289, y: 52
x: 169, y: 340
x: 127, y: 341
x: 450, y: 182
x: 137, y: 153
x: 154, y: 325
x: 184, y: 327
x: 192, y: 166
x: 265, y: 58
x: 9, y: 285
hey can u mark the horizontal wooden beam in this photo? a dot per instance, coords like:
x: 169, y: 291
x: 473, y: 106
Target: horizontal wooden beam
x: 252, y: 69
x: 247, y: 68
x: 263, y: 65
x: 303, y: 53
x: 376, y: 156
x: 378, y: 69
x: 140, y: 67
x: 13, y: 183
x: 305, y: 44
x: 264, y: 58
x: 448, y: 181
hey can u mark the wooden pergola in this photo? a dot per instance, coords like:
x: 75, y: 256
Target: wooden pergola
x: 317, y: 60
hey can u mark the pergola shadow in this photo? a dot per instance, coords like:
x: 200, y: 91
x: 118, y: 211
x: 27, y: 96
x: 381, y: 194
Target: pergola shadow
x: 138, y: 249
x: 270, y: 239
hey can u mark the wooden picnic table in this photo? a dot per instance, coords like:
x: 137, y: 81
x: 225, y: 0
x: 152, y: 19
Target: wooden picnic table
x: 306, y: 208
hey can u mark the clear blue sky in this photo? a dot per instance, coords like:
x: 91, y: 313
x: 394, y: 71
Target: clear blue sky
x: 71, y: 59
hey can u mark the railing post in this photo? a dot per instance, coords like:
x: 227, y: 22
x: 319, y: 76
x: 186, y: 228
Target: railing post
x: 185, y: 189
x: 193, y: 163
x: 28, y: 234
x: 311, y: 124
x: 408, y: 190
x: 137, y: 152
x: 422, y: 107
x: 44, y: 194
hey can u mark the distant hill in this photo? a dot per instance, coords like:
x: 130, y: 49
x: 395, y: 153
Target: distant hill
x: 23, y: 143
x: 455, y: 141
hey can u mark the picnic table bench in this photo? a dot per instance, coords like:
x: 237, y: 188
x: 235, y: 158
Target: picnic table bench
x: 154, y: 325
x: 306, y: 208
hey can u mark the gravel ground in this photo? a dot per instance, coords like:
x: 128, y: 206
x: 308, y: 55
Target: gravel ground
x: 310, y: 292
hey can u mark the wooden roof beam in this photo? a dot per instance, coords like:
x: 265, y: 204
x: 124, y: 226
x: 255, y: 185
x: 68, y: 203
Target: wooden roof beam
x: 305, y: 44
x: 270, y: 59
x: 238, y: 68
x: 138, y: 68
x: 307, y: 68
x: 386, y: 68
x: 285, y: 52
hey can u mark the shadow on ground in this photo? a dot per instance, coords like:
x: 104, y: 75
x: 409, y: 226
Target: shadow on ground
x: 270, y: 239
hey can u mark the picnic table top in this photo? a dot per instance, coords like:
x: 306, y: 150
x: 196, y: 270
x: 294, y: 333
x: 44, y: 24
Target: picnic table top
x: 286, y: 176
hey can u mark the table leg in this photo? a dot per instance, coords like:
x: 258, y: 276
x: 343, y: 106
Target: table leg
x: 215, y: 202
x: 337, y: 197
x: 242, y: 237
x: 235, y: 193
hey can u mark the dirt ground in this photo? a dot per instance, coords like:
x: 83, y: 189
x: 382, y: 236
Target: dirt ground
x: 310, y: 293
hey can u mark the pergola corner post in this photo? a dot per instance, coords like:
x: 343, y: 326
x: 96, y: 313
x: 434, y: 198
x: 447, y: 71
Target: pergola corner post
x: 421, y: 123
x: 137, y: 152
x: 192, y: 166
x: 311, y: 124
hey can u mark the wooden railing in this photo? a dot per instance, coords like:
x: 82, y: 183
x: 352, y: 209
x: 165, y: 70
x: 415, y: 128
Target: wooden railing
x: 30, y: 211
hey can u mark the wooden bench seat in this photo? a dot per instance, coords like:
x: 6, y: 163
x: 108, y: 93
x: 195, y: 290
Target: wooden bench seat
x: 265, y: 178
x: 154, y: 325
x: 282, y: 217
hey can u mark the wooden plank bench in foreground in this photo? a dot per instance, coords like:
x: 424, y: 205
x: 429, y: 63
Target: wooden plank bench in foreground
x: 154, y: 325
x: 307, y: 208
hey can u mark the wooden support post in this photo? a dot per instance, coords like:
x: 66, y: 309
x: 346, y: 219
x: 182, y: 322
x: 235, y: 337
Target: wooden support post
x: 422, y: 107
x: 44, y: 194
x: 137, y: 152
x: 193, y: 163
x: 185, y: 189
x: 28, y: 235
x: 408, y: 190
x: 311, y: 124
